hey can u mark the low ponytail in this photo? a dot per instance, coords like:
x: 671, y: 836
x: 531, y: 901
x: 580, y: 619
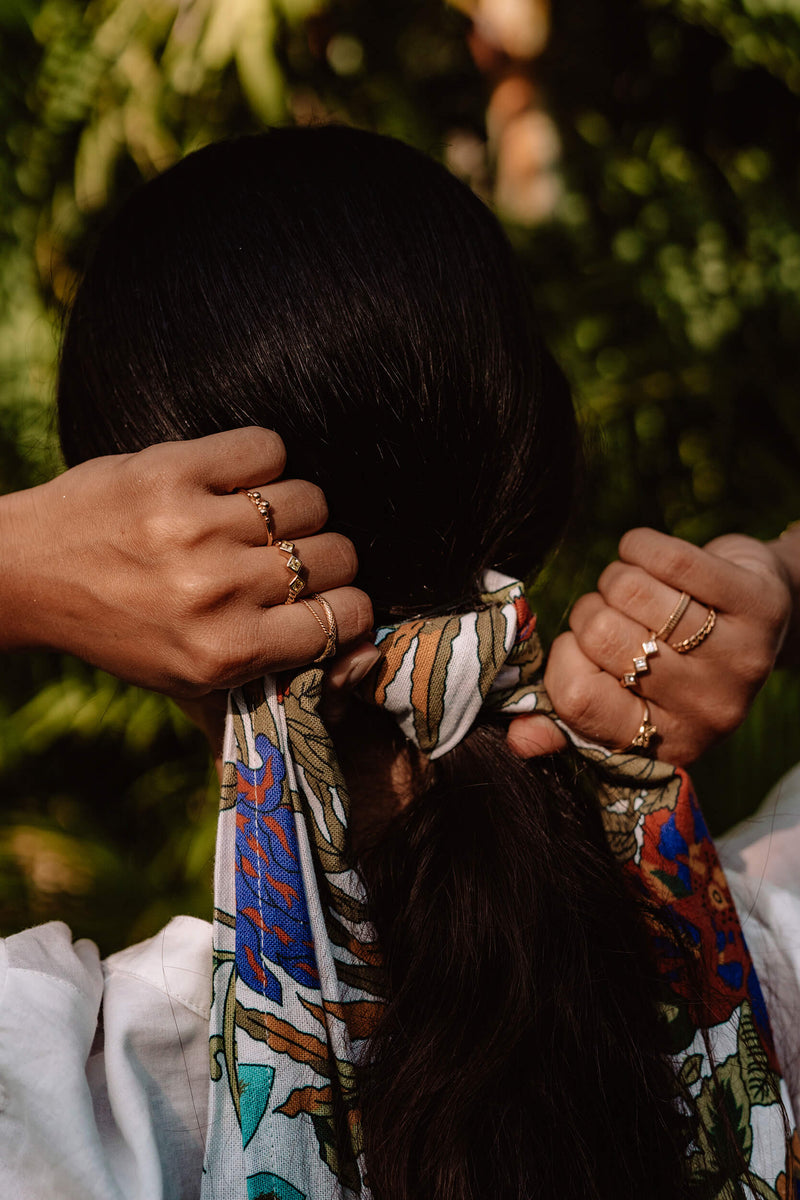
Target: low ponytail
x: 521, y: 1053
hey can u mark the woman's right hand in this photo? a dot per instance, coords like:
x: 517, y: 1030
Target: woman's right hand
x: 694, y: 698
x: 155, y: 567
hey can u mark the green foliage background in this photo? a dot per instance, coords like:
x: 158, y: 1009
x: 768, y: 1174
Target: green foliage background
x: 667, y: 282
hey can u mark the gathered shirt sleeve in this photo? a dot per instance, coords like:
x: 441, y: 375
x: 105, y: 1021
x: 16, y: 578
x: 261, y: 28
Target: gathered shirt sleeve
x: 104, y: 1066
x: 761, y: 858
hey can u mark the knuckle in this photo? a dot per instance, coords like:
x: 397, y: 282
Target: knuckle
x: 729, y: 714
x: 204, y: 669
x: 363, y: 618
x: 754, y: 664
x: 637, y: 543
x: 581, y: 611
x: 574, y: 695
x: 574, y: 702
x: 354, y: 615
x: 774, y: 605
x: 601, y: 635
x: 627, y: 590
x: 151, y: 471
x: 677, y: 559
x: 166, y: 527
x: 195, y: 591
x: 343, y: 558
x: 316, y: 501
x: 272, y: 447
x: 608, y: 576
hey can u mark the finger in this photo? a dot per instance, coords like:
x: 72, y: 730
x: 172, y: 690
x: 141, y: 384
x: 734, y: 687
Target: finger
x: 633, y: 591
x: 707, y: 577
x: 743, y: 552
x: 769, y: 600
x: 616, y: 644
x: 589, y: 700
x: 288, y: 636
x: 534, y: 735
x: 608, y: 638
x: 344, y: 675
x: 238, y: 458
x: 328, y: 560
x: 297, y: 508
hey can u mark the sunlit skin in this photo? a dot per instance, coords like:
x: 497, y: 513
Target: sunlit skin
x: 696, y: 698
x: 153, y: 567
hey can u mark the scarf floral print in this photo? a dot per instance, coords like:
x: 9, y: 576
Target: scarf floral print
x: 296, y: 965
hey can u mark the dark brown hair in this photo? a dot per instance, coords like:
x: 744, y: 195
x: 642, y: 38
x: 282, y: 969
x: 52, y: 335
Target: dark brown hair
x: 346, y: 291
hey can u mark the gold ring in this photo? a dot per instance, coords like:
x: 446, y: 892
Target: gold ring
x: 673, y: 618
x: 640, y: 664
x: 295, y: 566
x: 330, y: 630
x: 644, y: 734
x: 691, y: 643
x: 262, y: 504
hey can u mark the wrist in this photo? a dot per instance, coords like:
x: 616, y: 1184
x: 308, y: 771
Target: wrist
x: 25, y: 596
x: 786, y: 551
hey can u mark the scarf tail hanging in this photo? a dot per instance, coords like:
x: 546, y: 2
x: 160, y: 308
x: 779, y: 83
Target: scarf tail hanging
x: 296, y: 966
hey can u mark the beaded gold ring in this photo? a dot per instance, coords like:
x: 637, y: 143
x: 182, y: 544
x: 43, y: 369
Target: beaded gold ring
x: 263, y: 506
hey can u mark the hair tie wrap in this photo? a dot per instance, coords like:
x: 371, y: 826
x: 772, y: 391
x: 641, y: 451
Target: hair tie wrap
x: 436, y: 674
x: 297, y: 981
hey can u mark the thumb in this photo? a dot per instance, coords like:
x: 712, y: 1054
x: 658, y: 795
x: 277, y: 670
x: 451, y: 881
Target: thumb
x: 744, y: 551
x: 535, y: 735
x: 344, y: 675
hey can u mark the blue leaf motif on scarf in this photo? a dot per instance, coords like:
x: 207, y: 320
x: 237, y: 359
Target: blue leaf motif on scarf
x: 272, y: 922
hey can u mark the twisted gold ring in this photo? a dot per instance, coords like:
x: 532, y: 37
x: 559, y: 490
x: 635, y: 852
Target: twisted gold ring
x: 330, y: 628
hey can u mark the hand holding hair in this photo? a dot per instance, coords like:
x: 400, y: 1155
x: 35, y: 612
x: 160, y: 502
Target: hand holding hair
x: 155, y: 566
x: 701, y: 679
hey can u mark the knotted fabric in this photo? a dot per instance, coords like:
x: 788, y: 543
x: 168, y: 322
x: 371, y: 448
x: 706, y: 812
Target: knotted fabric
x: 297, y: 981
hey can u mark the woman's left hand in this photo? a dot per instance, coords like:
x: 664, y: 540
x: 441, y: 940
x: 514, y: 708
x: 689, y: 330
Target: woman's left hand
x: 694, y: 698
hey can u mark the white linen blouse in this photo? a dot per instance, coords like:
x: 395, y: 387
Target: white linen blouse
x: 104, y: 1065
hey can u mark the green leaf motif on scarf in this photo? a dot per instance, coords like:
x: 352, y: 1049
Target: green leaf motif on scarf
x: 312, y: 751
x: 758, y: 1078
x: 673, y: 884
x: 691, y: 1070
x: 723, y: 1107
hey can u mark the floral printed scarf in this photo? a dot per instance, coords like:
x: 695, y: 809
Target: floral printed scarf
x: 296, y: 965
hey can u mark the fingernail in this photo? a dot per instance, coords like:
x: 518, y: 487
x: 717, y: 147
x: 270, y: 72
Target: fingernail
x: 361, y: 666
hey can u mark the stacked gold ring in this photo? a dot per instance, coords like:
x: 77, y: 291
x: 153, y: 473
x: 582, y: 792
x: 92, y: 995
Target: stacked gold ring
x: 330, y: 628
x: 294, y: 566
x: 692, y: 642
x: 263, y: 506
x: 650, y: 647
x: 673, y: 618
x: 641, y: 664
